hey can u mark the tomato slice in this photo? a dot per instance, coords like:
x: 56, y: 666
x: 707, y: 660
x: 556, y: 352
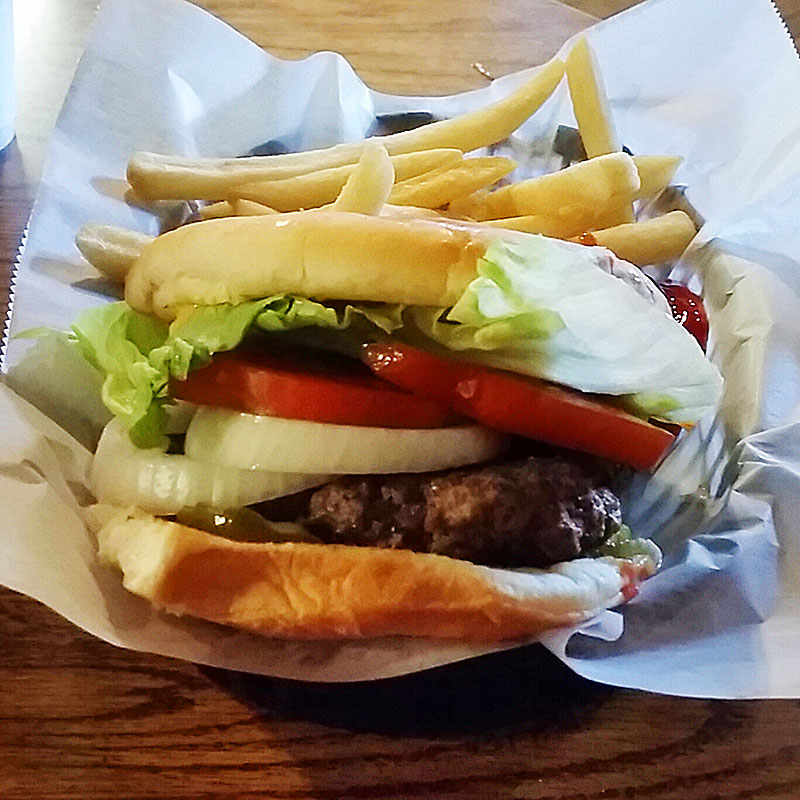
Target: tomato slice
x: 524, y: 406
x: 300, y: 384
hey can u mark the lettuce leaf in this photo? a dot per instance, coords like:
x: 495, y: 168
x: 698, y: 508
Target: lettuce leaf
x: 117, y: 340
x: 546, y: 308
x: 137, y: 354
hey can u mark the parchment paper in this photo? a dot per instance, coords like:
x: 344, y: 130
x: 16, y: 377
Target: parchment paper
x: 706, y: 80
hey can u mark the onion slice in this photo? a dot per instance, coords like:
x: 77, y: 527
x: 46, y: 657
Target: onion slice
x: 248, y: 441
x: 161, y: 483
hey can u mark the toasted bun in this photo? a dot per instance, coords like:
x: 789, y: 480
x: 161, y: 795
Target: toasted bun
x: 323, y: 255
x: 315, y: 591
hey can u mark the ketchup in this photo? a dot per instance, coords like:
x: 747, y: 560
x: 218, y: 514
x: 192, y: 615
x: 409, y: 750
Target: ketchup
x: 687, y: 309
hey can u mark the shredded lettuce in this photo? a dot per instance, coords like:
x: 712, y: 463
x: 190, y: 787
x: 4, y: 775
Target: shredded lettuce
x: 545, y: 308
x: 137, y: 354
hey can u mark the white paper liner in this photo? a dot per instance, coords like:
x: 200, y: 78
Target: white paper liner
x: 165, y: 76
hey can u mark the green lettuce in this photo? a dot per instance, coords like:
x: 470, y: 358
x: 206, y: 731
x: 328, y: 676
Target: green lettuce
x: 137, y: 354
x: 546, y: 308
x: 118, y: 341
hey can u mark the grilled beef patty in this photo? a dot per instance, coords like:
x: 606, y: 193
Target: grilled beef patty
x: 535, y: 511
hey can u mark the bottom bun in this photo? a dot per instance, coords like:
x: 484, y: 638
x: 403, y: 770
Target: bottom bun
x: 320, y: 591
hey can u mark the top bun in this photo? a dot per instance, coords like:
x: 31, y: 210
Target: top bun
x: 322, y: 255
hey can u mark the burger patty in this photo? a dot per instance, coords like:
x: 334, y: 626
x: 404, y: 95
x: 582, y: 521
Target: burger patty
x: 535, y: 511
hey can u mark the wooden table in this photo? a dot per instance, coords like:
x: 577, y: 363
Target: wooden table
x: 81, y: 719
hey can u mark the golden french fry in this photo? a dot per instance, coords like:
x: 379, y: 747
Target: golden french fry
x: 158, y: 176
x: 592, y: 194
x: 655, y: 174
x: 319, y: 188
x: 370, y: 183
x: 452, y: 181
x: 223, y: 208
x: 249, y: 208
x: 589, y: 101
x: 468, y: 206
x: 411, y: 212
x: 161, y: 208
x: 590, y: 105
x: 234, y: 208
x: 530, y: 224
x: 109, y: 249
x: 487, y: 125
x: 652, y: 241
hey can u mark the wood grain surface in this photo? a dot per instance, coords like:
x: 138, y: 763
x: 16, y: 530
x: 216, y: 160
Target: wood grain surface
x: 82, y: 719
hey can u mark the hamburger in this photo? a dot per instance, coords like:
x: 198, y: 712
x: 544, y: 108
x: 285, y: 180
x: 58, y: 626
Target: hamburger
x: 399, y: 425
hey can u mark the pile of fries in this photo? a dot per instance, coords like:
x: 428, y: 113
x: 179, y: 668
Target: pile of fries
x: 426, y: 171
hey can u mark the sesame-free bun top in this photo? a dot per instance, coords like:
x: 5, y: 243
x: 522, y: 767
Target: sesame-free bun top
x: 324, y: 255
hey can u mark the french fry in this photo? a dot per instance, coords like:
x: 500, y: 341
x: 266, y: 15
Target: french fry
x: 487, y: 125
x: 652, y: 241
x: 452, y: 181
x: 411, y: 212
x: 319, y: 188
x: 589, y: 101
x: 156, y: 176
x: 655, y: 174
x: 592, y: 194
x: 234, y: 208
x: 529, y: 224
x: 161, y: 208
x: 109, y: 249
x: 222, y: 208
x: 469, y: 206
x: 249, y: 208
x: 370, y: 183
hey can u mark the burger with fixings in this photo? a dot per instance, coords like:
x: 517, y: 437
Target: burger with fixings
x: 398, y: 425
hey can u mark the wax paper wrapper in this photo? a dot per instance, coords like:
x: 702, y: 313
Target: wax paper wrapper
x: 721, y: 619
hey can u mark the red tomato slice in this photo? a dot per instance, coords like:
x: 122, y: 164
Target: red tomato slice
x: 296, y: 384
x: 524, y: 406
